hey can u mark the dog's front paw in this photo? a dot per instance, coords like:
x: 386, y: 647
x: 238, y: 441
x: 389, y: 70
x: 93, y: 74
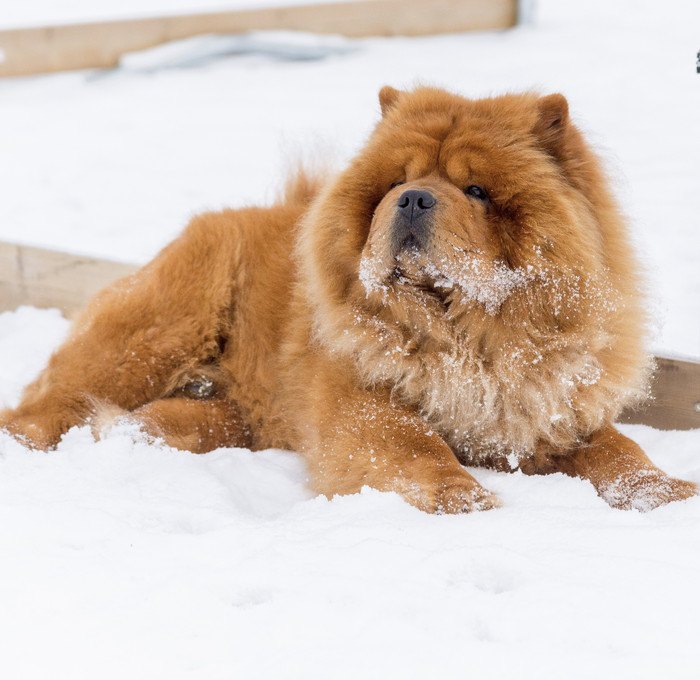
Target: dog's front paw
x: 451, y: 496
x: 645, y: 490
x: 458, y: 497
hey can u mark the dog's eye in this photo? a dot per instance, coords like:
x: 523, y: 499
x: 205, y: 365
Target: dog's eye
x: 477, y: 192
x: 398, y: 183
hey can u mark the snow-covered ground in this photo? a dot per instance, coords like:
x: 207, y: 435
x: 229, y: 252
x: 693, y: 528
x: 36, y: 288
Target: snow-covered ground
x: 124, y: 559
x: 121, y: 559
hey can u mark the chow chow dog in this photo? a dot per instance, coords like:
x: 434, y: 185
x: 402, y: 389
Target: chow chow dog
x: 463, y: 293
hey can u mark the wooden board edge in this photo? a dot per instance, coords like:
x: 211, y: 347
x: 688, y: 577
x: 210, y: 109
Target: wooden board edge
x: 28, y: 51
x: 47, y: 278
x: 675, y: 404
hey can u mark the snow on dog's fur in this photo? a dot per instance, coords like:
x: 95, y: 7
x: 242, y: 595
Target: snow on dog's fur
x: 465, y: 289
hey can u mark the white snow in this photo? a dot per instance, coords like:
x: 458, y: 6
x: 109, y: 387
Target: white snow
x: 125, y: 559
x: 489, y: 285
x: 201, y: 50
x: 50, y: 12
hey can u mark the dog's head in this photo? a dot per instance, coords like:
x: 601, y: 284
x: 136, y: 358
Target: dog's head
x: 470, y: 214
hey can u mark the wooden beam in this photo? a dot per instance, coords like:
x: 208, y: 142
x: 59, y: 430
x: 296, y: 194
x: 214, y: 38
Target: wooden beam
x: 47, y: 278
x: 27, y: 51
x: 676, y: 402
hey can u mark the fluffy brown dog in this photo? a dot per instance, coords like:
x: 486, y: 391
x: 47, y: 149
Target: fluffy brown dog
x: 464, y: 292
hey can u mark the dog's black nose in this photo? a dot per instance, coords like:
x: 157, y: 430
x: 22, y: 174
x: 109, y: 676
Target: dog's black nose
x: 412, y: 221
x: 414, y: 201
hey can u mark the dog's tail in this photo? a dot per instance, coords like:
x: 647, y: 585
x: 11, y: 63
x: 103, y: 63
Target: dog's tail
x: 302, y: 186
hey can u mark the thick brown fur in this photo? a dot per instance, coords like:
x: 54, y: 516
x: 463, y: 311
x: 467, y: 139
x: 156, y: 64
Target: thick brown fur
x: 513, y: 337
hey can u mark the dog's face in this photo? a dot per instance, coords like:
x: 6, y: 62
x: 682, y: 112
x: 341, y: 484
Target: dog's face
x: 474, y: 201
x: 471, y: 212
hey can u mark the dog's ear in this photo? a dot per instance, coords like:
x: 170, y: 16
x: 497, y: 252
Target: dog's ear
x: 552, y: 122
x: 388, y: 98
x: 559, y: 137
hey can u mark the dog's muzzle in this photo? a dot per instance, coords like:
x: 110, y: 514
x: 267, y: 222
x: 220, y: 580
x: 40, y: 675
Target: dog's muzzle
x: 412, y: 224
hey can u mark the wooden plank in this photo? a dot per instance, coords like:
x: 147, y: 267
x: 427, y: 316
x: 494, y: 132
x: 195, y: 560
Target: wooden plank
x: 47, y: 278
x: 676, y: 402
x: 28, y: 51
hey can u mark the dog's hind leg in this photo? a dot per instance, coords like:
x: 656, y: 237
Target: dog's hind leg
x: 135, y: 336
x: 196, y: 425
